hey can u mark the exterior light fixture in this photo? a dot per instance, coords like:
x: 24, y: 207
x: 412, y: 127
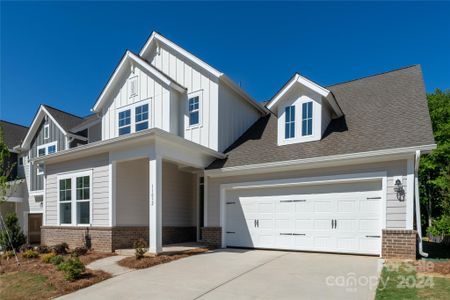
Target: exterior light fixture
x: 399, y: 190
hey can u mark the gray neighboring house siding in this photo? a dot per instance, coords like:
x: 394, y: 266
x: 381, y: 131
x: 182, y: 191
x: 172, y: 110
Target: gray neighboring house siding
x: 55, y: 134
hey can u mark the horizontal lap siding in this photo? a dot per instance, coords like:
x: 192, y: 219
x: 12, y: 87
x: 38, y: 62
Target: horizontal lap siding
x: 100, y: 187
x: 395, y: 210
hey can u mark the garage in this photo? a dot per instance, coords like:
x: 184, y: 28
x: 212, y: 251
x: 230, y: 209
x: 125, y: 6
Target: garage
x: 342, y: 218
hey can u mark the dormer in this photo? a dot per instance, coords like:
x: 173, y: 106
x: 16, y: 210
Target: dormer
x: 303, y: 109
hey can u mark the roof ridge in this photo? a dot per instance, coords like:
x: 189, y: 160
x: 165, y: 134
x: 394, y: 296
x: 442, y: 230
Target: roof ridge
x: 60, y: 110
x: 373, y: 75
x: 12, y: 123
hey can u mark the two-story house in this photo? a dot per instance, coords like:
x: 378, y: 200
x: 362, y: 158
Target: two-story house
x: 175, y: 151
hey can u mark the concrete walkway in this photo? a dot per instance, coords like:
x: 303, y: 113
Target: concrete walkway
x: 246, y: 274
x: 109, y: 264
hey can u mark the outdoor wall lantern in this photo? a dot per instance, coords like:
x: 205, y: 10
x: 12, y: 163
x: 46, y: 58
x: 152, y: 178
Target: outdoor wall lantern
x: 399, y: 190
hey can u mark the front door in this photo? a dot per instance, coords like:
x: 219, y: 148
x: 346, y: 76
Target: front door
x: 34, y: 228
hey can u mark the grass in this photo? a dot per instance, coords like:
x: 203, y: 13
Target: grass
x: 24, y: 285
x: 407, y: 280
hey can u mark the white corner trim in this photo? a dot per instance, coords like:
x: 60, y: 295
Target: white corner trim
x: 303, y: 181
x: 410, y: 194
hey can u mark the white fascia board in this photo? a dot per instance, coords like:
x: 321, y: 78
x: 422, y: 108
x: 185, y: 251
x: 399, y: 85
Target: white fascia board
x: 105, y: 146
x: 33, y: 128
x: 121, y: 67
x: 360, y: 157
x: 158, y: 38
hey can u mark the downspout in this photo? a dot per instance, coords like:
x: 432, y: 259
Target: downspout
x: 417, y: 202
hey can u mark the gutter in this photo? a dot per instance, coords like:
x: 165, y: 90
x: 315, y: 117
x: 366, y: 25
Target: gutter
x: 417, y: 203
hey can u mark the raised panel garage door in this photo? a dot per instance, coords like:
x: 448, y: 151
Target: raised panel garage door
x: 342, y: 218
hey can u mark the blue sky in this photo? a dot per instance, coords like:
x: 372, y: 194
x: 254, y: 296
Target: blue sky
x: 62, y: 54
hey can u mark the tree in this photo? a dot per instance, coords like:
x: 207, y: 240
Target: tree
x: 434, y: 172
x: 12, y: 237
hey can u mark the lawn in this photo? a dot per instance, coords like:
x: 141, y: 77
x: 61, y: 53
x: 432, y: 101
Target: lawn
x: 34, y: 279
x: 424, y: 279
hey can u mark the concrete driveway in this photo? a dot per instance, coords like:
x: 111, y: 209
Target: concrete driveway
x: 246, y: 274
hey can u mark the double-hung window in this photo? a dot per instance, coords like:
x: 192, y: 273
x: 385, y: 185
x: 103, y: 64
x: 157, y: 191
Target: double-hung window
x: 125, y: 122
x: 307, y: 118
x: 194, y: 111
x: 289, y: 131
x: 141, y: 117
x: 75, y: 199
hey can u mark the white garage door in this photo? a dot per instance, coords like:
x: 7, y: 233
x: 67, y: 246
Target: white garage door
x: 333, y: 218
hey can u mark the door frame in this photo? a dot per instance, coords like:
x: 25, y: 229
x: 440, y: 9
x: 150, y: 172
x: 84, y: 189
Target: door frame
x: 303, y: 181
x: 28, y: 224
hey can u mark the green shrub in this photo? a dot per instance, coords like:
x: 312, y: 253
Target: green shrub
x: 43, y: 249
x: 8, y: 254
x: 30, y: 254
x: 57, y: 260
x: 60, y: 248
x: 139, y: 248
x: 72, y: 268
x: 12, y: 229
x: 46, y: 258
x: 440, y: 227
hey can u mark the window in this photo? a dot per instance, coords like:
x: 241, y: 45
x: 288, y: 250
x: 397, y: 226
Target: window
x: 307, y: 118
x: 289, y: 131
x: 141, y: 117
x: 75, y: 199
x: 20, y: 162
x: 41, y: 151
x: 133, y: 87
x: 124, y: 122
x: 46, y: 131
x: 65, y: 201
x: 51, y: 149
x: 194, y: 111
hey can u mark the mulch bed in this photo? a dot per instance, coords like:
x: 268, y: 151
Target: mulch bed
x: 56, y: 278
x: 433, y: 267
x: 150, y: 261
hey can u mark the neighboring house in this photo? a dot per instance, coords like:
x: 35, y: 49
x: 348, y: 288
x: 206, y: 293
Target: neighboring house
x: 177, y: 152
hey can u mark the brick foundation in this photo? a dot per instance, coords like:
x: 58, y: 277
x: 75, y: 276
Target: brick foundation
x: 399, y: 244
x: 107, y: 239
x: 212, y: 236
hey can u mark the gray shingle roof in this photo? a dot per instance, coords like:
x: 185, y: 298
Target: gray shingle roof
x: 383, y: 111
x: 65, y: 119
x: 13, y: 133
x: 86, y: 120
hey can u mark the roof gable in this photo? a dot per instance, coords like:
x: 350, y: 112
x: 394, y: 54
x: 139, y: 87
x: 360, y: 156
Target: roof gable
x: 13, y: 134
x: 128, y: 60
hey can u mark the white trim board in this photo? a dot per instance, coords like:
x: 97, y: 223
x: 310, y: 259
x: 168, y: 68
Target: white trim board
x: 307, y: 181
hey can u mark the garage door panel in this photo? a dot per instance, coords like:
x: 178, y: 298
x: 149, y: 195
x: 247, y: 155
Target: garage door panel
x: 324, y: 206
x: 304, y: 224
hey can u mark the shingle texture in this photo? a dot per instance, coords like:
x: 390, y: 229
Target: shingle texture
x: 66, y: 120
x: 383, y: 111
x: 13, y: 133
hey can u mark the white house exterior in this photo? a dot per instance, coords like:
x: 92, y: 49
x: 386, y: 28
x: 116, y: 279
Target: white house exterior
x: 177, y: 152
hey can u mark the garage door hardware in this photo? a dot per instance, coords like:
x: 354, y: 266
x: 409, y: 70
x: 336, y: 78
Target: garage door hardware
x: 298, y: 234
x: 231, y: 232
x: 256, y: 223
x: 290, y: 233
x: 231, y: 203
x: 372, y: 236
x: 334, y: 223
x: 373, y: 198
x: 302, y: 200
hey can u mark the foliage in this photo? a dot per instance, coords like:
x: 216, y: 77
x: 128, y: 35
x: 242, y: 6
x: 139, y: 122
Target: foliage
x: 57, y: 260
x: 46, y: 258
x: 25, y: 247
x: 139, y: 248
x: 12, y: 232
x: 434, y: 172
x: 73, y: 268
x: 60, y: 248
x: 43, y: 249
x: 8, y: 254
x: 440, y: 226
x: 30, y: 254
x: 79, y: 251
x: 6, y: 167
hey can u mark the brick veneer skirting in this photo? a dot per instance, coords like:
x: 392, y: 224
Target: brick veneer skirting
x: 212, y: 236
x: 399, y: 244
x: 107, y: 239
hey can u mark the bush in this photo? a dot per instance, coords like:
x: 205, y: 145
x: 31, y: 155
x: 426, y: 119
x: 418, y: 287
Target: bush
x: 72, y: 268
x: 57, y: 260
x: 60, y: 248
x: 139, y: 248
x: 78, y: 251
x: 30, y: 254
x: 46, y: 258
x: 8, y: 254
x: 43, y: 249
x: 440, y: 227
x: 25, y: 247
x: 12, y: 229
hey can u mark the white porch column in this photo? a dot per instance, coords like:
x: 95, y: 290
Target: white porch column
x: 155, y: 193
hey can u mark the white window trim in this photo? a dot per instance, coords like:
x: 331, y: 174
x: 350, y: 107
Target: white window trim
x: 46, y: 131
x: 73, y: 178
x: 132, y: 108
x: 131, y: 120
x: 45, y: 146
x: 312, y: 119
x: 198, y: 94
x: 295, y: 122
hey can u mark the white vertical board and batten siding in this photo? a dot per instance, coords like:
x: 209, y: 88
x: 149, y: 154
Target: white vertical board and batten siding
x: 149, y: 91
x: 194, y: 79
x: 99, y: 164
